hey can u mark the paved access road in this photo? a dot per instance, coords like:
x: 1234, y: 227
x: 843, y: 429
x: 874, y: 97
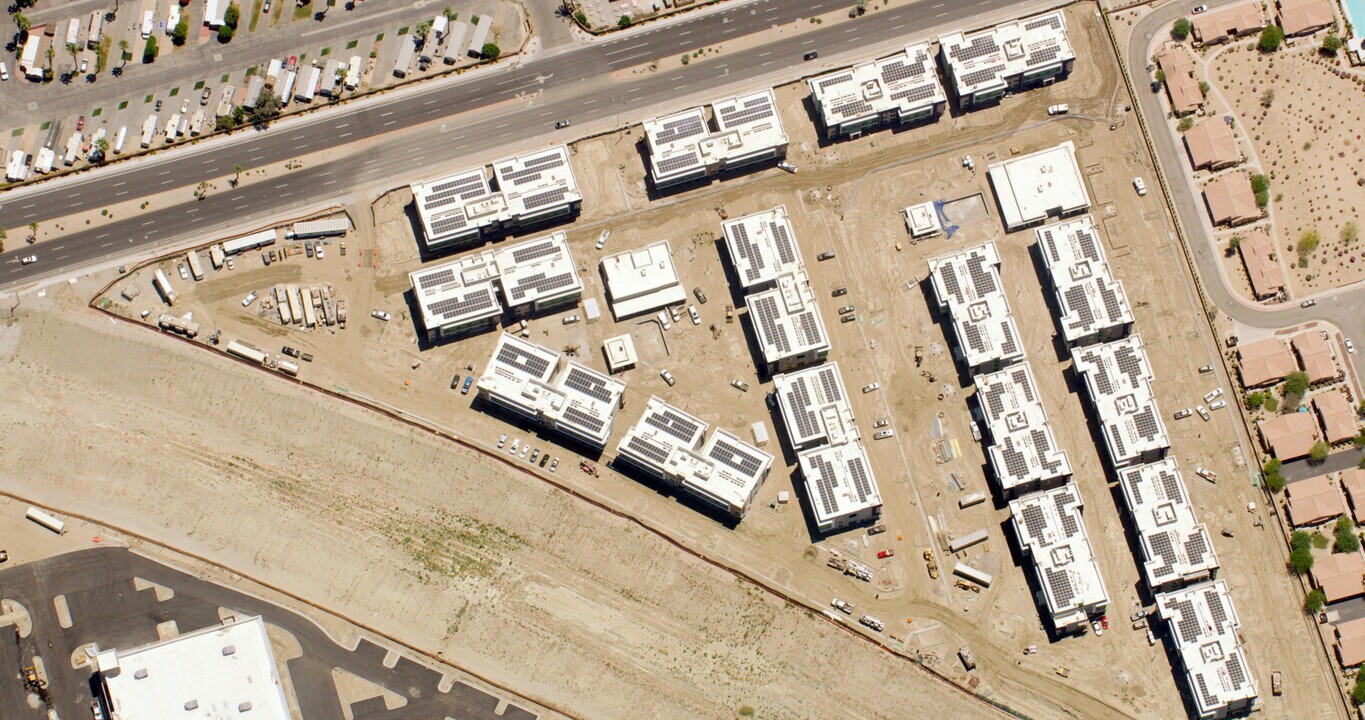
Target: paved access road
x: 1342, y: 309
x: 574, y: 83
x: 108, y: 610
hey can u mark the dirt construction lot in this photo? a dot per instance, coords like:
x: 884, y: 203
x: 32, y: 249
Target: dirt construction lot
x: 463, y: 551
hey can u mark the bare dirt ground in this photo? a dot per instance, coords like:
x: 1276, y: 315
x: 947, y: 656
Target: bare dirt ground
x: 1310, y: 146
x: 454, y: 551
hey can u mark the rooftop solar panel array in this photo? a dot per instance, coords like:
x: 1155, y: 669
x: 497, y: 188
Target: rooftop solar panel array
x: 829, y: 385
x: 736, y: 457
x: 809, y: 323
x: 540, y: 283
x: 436, y: 276
x: 824, y: 485
x: 478, y: 301
x: 753, y: 109
x: 464, y: 188
x: 862, y: 483
x: 782, y: 239
x: 684, y: 159
x: 532, y: 168
x: 682, y: 428
x: 773, y: 332
x: 449, y: 223
x: 586, y: 383
x: 517, y: 357
x: 1063, y: 591
x: 802, y: 409
x: 645, y: 448
x: 747, y: 249
x: 545, y: 198
x: 680, y: 129
x: 591, y: 423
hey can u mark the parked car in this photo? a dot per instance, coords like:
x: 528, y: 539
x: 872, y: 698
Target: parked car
x: 28, y: 259
x: 848, y: 318
x: 1310, y: 302
x: 1199, y: 8
x: 246, y: 301
x: 535, y: 455
x: 1216, y: 392
x: 1206, y: 473
x: 701, y: 296
x: 1061, y: 109
x: 381, y: 315
x: 516, y: 445
x: 554, y: 464
x: 80, y: 123
x: 1140, y: 186
x: 1202, y: 412
x: 455, y: 382
x: 1350, y: 347
x: 524, y: 450
x: 4, y: 72
x: 291, y: 352
x: 544, y: 458
x: 872, y: 386
x: 293, y: 63
x: 840, y: 605
x: 85, y: 64
x: 184, y: 106
x: 826, y: 255
x: 696, y: 317
x: 884, y: 434
x: 811, y: 55
x: 184, y: 271
x: 1218, y: 404
x: 1182, y: 414
x: 502, y: 441
x: 468, y: 382
x: 602, y: 239
x: 884, y: 554
x: 740, y: 385
x: 663, y: 320
x: 839, y: 292
x: 883, y: 422
x: 204, y: 96
x: 1205, y: 369
x: 570, y: 319
x: 668, y: 377
x: 876, y: 530
x: 845, y: 309
x: 787, y: 166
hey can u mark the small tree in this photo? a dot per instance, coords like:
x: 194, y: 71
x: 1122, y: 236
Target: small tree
x: 3, y: 237
x: 1186, y: 123
x: 236, y: 175
x: 449, y: 13
x: 1271, y: 38
x: 74, y: 52
x: 1181, y: 29
x: 1300, y: 539
x: 1260, y: 185
x: 581, y: 18
x: 225, y: 33
x: 1268, y: 98
x: 1359, y: 439
x: 1308, y: 242
x: 1254, y: 401
x: 1301, y: 560
x: 102, y: 148
x: 421, y: 30
x: 1295, y: 383
x: 1350, y: 232
x: 1331, y: 44
x: 1358, y: 692
x: 232, y: 16
x: 181, y: 31
x: 124, y: 55
x: 22, y: 22
x: 490, y: 52
x: 1346, y: 539
x: 624, y: 22
x: 1318, y: 452
x: 1273, y: 479
x: 1314, y: 601
x: 1161, y: 76
x: 149, y: 51
x: 1204, y: 88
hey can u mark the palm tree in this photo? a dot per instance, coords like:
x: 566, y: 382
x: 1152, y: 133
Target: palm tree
x: 237, y: 171
x: 50, y: 54
x: 3, y: 237
x: 102, y: 148
x: 123, y: 52
x: 33, y: 231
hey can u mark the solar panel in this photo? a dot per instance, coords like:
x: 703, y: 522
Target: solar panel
x: 678, y: 162
x: 916, y: 93
x: 1120, y: 448
x: 1034, y: 522
x: 648, y: 449
x: 810, y: 328
x: 517, y: 357
x: 1208, y: 699
x: 974, y: 339
x: 1011, y: 344
x: 1130, y: 364
x: 995, y: 401
x: 1044, y: 55
x: 1236, y: 673
x: 1063, y: 592
x: 979, y: 46
x: 1016, y: 465
x: 862, y: 482
x: 851, y: 108
x: 1021, y: 380
x: 1216, y: 609
x: 802, y: 411
x: 548, y: 197
x: 786, y: 250
x: 680, y: 129
x: 1171, y: 487
x: 745, y: 248
x: 829, y: 385
x: 772, y: 332
x: 896, y: 71
x: 583, y: 419
x: 447, y: 224
x: 824, y: 484
x: 1147, y: 425
x: 673, y: 424
x: 983, y: 281
x: 981, y: 76
x: 736, y: 457
x: 753, y: 110
x: 1078, y: 307
x: 834, y: 80
x: 588, y: 384
x: 538, y: 250
x: 541, y: 283
x: 532, y: 168
x: 1133, y: 480
x: 440, y: 276
x: 461, y: 307
x: 948, y: 272
x: 1050, y: 20
x: 1188, y: 625
x: 1197, y: 547
x: 1114, y: 300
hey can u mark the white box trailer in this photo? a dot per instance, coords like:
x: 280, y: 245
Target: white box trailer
x: 95, y: 140
x: 46, y: 159
x: 481, y: 31
x: 310, y: 315
x: 288, y: 367
x: 172, y: 18
x: 73, y: 32
x: 46, y: 520
x: 287, y: 95
x: 216, y: 256
x: 73, y: 148
x: 291, y: 293
x: 249, y: 242
x: 439, y: 25
x: 172, y: 127
x: 148, y: 24
x: 197, y: 122
x: 968, y: 572
x: 149, y: 130
x: 405, y: 55
x: 246, y: 352
x: 455, y: 45
x: 959, y: 544
x: 215, y: 12
x: 353, y: 73
x: 318, y: 228
x: 164, y: 287
x: 309, y: 88
x: 96, y: 27
x: 196, y: 268
x: 28, y: 59
x: 16, y: 169
x: 119, y: 139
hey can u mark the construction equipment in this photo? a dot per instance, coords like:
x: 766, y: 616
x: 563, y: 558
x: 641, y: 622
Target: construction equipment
x: 1064, y: 671
x: 968, y: 586
x: 919, y: 355
x: 929, y: 561
x: 31, y: 679
x: 964, y: 654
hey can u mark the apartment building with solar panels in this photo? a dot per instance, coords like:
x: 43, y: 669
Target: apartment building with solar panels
x: 814, y: 407
x: 1203, y: 623
x: 466, y: 208
x: 564, y: 396
x: 1118, y: 383
x: 968, y: 290
x: 1176, y: 548
x: 685, y: 146
x: 1031, y: 188
x: 1092, y: 303
x: 470, y: 294
x: 1021, y: 447
x: 1052, y: 537
x: 642, y: 280
x: 762, y: 248
x: 840, y: 485
x: 787, y: 324
x: 722, y: 471
x: 983, y: 66
x: 895, y: 90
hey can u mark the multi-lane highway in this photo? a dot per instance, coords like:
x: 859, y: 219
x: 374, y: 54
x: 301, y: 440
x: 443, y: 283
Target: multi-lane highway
x: 400, y: 137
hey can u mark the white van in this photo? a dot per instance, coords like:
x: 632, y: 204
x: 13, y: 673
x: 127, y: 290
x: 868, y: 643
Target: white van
x: 148, y: 24
x: 4, y: 72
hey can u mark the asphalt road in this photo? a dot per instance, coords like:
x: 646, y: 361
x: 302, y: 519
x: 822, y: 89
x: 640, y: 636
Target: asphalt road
x: 573, y: 82
x: 108, y: 610
x: 1342, y: 309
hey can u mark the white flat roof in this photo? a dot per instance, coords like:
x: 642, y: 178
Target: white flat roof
x: 762, y: 247
x: 1175, y: 546
x: 1092, y: 301
x: 642, y: 279
x: 226, y: 671
x: 1031, y: 187
x: 1052, y: 534
x: 465, y: 290
x: 906, y: 82
x: 580, y: 402
x: 787, y: 320
x: 1022, y: 449
x: 620, y: 352
x: 462, y: 205
x: 815, y: 408
x: 1118, y: 379
x: 967, y: 285
x: 724, y: 472
x: 839, y: 482
x: 983, y: 60
x: 684, y: 146
x: 1203, y: 625
x: 922, y: 220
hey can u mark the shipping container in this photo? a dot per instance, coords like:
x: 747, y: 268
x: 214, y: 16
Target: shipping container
x: 164, y: 287
x: 288, y: 367
x: 119, y: 137
x: 295, y: 302
x: 961, y: 543
x: 405, y: 55
x: 246, y: 352
x: 149, y: 130
x: 282, y: 303
x: 968, y: 572
x: 46, y: 520
x: 216, y: 256
x: 196, y: 269
x: 249, y: 242
x: 310, y: 316
x: 319, y: 228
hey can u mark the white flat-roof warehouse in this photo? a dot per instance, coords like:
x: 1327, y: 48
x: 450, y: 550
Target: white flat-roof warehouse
x: 787, y: 323
x: 899, y: 88
x: 465, y: 207
x: 1030, y: 188
x: 762, y: 248
x: 683, y: 146
x: 724, y: 472
x: 1176, y: 549
x: 1023, y: 452
x: 580, y: 403
x: 967, y: 286
x: 462, y: 295
x: 840, y: 484
x: 983, y: 66
x: 1118, y: 382
x: 220, y: 671
x: 1052, y: 535
x: 814, y: 406
x: 1093, y: 303
x: 642, y: 279
x: 1203, y: 624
